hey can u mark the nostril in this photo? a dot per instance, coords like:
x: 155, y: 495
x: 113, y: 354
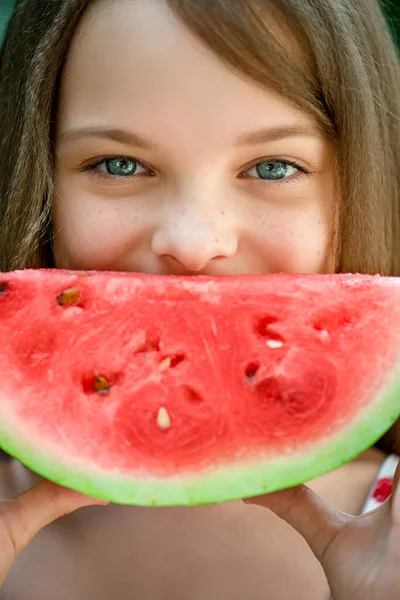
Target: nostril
x: 174, y: 266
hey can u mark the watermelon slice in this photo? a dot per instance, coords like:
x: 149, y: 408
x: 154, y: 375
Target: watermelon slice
x: 162, y: 390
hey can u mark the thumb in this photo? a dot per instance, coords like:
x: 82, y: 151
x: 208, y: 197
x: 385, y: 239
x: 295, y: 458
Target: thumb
x: 24, y: 516
x: 312, y: 517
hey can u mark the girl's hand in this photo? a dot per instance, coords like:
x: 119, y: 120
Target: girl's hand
x: 23, y: 517
x: 360, y: 555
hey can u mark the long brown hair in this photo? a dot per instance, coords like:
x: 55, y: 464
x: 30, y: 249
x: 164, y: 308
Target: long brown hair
x: 347, y: 76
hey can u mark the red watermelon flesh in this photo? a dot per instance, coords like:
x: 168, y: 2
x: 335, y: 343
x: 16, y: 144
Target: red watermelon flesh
x: 161, y: 390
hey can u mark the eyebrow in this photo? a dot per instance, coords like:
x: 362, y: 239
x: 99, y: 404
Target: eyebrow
x: 128, y: 138
x: 272, y: 134
x: 116, y: 135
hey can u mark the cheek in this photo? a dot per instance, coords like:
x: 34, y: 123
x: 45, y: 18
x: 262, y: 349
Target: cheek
x: 300, y: 244
x: 89, y: 234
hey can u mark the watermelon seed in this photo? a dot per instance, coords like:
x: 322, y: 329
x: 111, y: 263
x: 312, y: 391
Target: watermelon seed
x: 97, y: 384
x: 68, y: 297
x: 170, y: 362
x: 274, y: 344
x: 251, y: 370
x: 101, y: 385
x: 324, y: 335
x: 3, y: 288
x: 165, y: 364
x: 163, y: 419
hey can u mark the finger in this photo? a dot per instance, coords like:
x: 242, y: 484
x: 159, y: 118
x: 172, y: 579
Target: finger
x: 312, y: 517
x: 27, y: 514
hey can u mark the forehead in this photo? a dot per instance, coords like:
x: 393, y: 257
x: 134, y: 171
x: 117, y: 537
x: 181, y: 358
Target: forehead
x: 132, y: 63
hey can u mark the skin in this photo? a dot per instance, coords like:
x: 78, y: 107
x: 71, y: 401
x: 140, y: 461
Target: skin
x: 192, y: 210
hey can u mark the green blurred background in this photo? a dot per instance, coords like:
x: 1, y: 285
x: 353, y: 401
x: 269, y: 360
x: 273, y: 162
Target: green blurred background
x: 390, y: 7
x: 6, y: 7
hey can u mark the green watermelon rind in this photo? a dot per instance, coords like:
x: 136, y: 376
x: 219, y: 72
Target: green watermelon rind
x: 238, y: 480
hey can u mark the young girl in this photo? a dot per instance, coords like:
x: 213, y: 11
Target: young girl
x: 202, y: 137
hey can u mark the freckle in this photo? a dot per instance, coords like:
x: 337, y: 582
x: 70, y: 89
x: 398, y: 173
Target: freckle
x: 222, y: 213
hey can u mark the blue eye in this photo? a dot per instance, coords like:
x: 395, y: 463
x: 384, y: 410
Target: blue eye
x: 123, y: 167
x: 274, y: 170
x: 117, y: 167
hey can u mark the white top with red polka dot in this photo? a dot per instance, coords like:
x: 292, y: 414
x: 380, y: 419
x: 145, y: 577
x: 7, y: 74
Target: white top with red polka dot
x: 382, y: 487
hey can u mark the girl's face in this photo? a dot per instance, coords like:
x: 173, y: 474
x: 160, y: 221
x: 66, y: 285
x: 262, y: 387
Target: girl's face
x: 169, y: 163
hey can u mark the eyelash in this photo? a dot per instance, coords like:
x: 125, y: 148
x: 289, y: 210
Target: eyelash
x: 92, y: 169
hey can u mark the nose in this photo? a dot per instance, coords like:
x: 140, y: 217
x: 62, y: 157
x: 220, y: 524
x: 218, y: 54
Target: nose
x: 194, y: 231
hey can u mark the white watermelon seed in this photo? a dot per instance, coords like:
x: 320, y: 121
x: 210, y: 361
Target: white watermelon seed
x: 324, y: 335
x: 165, y: 364
x: 163, y: 419
x: 170, y: 362
x: 274, y: 344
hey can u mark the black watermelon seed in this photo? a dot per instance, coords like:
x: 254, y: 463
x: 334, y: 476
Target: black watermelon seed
x: 101, y: 385
x: 69, y: 297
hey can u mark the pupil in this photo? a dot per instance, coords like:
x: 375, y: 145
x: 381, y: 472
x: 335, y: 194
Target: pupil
x: 121, y: 166
x: 266, y: 169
